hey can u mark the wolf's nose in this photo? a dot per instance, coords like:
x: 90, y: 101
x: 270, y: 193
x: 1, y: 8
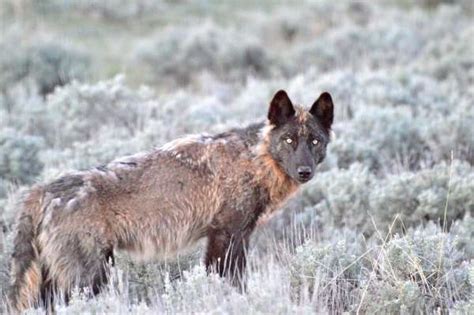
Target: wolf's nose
x: 304, y: 172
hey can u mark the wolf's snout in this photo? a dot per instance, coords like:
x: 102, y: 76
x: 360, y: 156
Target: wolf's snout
x: 304, y: 173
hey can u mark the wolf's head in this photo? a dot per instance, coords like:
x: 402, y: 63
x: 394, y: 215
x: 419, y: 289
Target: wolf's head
x: 298, y: 138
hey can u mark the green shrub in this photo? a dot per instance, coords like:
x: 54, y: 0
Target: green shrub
x: 42, y: 65
x: 91, y: 109
x: 181, y: 53
x: 19, y: 157
x: 422, y: 271
x: 444, y: 191
x: 328, y: 274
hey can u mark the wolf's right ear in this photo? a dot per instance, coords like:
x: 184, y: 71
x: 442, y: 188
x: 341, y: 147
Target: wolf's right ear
x: 281, y: 109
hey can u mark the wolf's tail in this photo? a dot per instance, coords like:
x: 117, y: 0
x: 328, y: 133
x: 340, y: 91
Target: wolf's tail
x: 26, y: 270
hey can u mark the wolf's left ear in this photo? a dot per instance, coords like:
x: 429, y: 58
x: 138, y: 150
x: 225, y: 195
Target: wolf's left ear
x: 323, y: 110
x: 281, y: 109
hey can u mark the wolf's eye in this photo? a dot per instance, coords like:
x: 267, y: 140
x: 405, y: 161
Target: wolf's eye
x: 315, y: 142
x: 289, y: 140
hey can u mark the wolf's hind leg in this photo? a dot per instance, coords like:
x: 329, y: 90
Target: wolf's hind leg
x: 48, y: 292
x: 102, y: 276
x: 78, y: 260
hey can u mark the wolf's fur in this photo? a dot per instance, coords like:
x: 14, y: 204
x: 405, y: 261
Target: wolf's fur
x: 158, y: 203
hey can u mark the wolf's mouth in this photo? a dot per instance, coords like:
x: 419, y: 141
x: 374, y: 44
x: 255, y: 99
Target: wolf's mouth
x: 303, y: 180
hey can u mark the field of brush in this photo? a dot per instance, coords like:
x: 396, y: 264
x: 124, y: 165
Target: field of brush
x: 386, y: 225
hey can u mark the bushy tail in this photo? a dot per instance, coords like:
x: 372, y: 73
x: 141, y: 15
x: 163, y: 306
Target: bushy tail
x: 26, y: 269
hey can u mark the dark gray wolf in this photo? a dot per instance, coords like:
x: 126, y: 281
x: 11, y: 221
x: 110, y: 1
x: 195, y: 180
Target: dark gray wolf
x: 157, y: 203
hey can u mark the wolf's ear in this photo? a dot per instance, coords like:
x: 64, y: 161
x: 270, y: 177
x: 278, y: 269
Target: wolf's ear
x: 323, y: 110
x: 281, y: 109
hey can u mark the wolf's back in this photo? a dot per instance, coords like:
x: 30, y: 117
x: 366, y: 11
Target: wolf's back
x: 26, y: 269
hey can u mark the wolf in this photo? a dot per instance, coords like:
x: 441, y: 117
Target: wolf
x: 159, y: 203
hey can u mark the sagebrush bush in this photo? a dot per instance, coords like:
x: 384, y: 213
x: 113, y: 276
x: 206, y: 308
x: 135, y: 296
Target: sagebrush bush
x: 391, y: 124
x: 422, y: 271
x: 90, y: 109
x: 357, y: 199
x: 438, y: 194
x: 344, y: 153
x: 44, y: 65
x: 401, y: 38
x: 87, y: 154
x: 392, y: 133
x: 53, y: 65
x: 381, y: 41
x: 341, y: 197
x: 19, y: 156
x: 110, y: 10
x: 451, y: 135
x: 466, y: 307
x: 464, y: 233
x: 180, y: 53
x: 454, y: 57
x: 328, y: 274
x: 13, y: 65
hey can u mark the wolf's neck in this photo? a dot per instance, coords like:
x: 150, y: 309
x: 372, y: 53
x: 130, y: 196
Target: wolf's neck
x: 269, y: 174
x: 278, y: 184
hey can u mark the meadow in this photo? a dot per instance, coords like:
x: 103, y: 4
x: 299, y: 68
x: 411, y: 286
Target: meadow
x: 387, y: 224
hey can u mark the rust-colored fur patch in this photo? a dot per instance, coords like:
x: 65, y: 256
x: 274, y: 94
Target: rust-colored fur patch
x: 29, y: 292
x: 269, y: 174
x: 302, y: 115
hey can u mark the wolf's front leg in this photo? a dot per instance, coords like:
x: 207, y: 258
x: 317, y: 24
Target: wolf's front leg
x: 226, y: 252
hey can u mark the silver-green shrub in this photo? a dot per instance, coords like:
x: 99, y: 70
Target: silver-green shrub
x: 441, y: 194
x: 422, y: 271
x: 180, y: 53
x: 328, y: 274
x: 43, y: 65
x: 357, y: 199
x: 81, y: 112
x: 341, y: 197
x: 19, y: 156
